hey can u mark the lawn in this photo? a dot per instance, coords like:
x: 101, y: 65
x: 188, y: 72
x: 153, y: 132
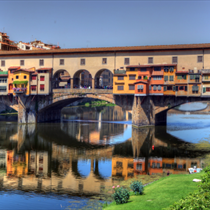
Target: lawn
x: 161, y: 193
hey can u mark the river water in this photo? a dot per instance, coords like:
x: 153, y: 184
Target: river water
x: 59, y: 165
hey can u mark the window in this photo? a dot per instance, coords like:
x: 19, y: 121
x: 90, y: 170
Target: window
x: 131, y: 87
x: 127, y: 61
x: 166, y: 69
x: 132, y: 69
x: 157, y: 69
x: 3, y: 88
x: 171, y: 78
x: 154, y: 87
x: 158, y: 165
x: 41, y: 78
x: 119, y: 164
x: 120, y: 77
x: 3, y: 80
x: 132, y: 77
x: 130, y: 165
x: 169, y: 88
x: 138, y: 166
x: 2, y: 63
x: 165, y: 78
x: 200, y: 58
x: 153, y: 165
x: 82, y: 61
x: 143, y: 69
x: 33, y: 78
x: 120, y: 87
x: 41, y: 62
x: 174, y: 59
x: 61, y: 62
x: 181, y: 87
x: 208, y: 89
x: 140, y: 87
x: 25, y: 77
x: 194, y: 89
x: 21, y: 62
x: 42, y: 87
x: 150, y: 59
x: 139, y: 77
x: 182, y: 77
x: 165, y: 88
x: 157, y: 77
x: 33, y: 87
x: 185, y: 88
x: 17, y: 77
x: 159, y: 87
x: 206, y: 77
x: 104, y: 60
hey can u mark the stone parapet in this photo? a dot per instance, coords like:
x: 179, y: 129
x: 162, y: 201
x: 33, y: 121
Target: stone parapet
x: 86, y: 91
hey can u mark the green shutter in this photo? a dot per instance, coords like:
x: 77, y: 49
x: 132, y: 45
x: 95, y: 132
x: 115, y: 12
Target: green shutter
x: 165, y: 88
x: 204, y: 90
x: 166, y: 78
x: 185, y: 76
x: 174, y: 88
x: 185, y: 88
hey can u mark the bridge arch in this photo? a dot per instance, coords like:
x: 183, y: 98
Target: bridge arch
x: 61, y: 79
x: 103, y: 77
x: 82, y: 78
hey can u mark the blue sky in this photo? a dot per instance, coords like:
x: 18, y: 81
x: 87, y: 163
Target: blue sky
x: 76, y: 24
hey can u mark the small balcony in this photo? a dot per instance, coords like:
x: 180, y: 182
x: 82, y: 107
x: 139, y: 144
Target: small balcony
x: 19, y: 90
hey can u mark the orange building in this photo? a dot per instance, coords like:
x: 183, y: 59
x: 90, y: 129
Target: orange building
x: 155, y: 165
x: 181, y: 83
x: 169, y: 79
x: 157, y: 81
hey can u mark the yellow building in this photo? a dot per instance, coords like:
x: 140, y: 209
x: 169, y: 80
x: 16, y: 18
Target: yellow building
x: 21, y: 81
x: 122, y: 167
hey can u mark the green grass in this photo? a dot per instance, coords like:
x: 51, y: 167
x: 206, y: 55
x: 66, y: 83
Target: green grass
x: 161, y: 193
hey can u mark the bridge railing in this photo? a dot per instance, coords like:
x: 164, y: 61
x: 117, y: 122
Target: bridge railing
x: 87, y: 91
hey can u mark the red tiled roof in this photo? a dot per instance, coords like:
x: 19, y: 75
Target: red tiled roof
x: 182, y: 72
x: 26, y: 70
x: 157, y: 73
x: 117, y: 49
x: 14, y: 67
x: 145, y: 82
x: 149, y: 66
x: 44, y: 69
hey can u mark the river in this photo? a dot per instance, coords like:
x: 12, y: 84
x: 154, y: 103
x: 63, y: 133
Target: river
x: 59, y: 165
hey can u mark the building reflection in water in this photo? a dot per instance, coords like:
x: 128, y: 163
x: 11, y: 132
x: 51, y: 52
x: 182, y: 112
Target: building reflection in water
x: 54, y: 157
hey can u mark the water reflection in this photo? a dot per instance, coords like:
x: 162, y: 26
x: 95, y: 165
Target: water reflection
x: 77, y: 157
x: 101, y: 113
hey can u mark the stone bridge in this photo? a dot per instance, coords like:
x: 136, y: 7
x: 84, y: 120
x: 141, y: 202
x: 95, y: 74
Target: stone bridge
x: 146, y: 110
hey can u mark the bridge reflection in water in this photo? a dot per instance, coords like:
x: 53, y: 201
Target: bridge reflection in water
x: 54, y: 157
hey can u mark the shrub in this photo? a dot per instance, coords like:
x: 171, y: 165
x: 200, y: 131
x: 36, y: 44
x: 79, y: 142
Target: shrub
x: 137, y: 187
x: 121, y: 195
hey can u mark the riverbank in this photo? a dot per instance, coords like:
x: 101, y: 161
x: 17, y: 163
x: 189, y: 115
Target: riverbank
x: 161, y: 193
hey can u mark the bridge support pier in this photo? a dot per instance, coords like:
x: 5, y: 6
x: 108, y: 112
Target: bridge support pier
x: 143, y: 113
x: 25, y: 115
